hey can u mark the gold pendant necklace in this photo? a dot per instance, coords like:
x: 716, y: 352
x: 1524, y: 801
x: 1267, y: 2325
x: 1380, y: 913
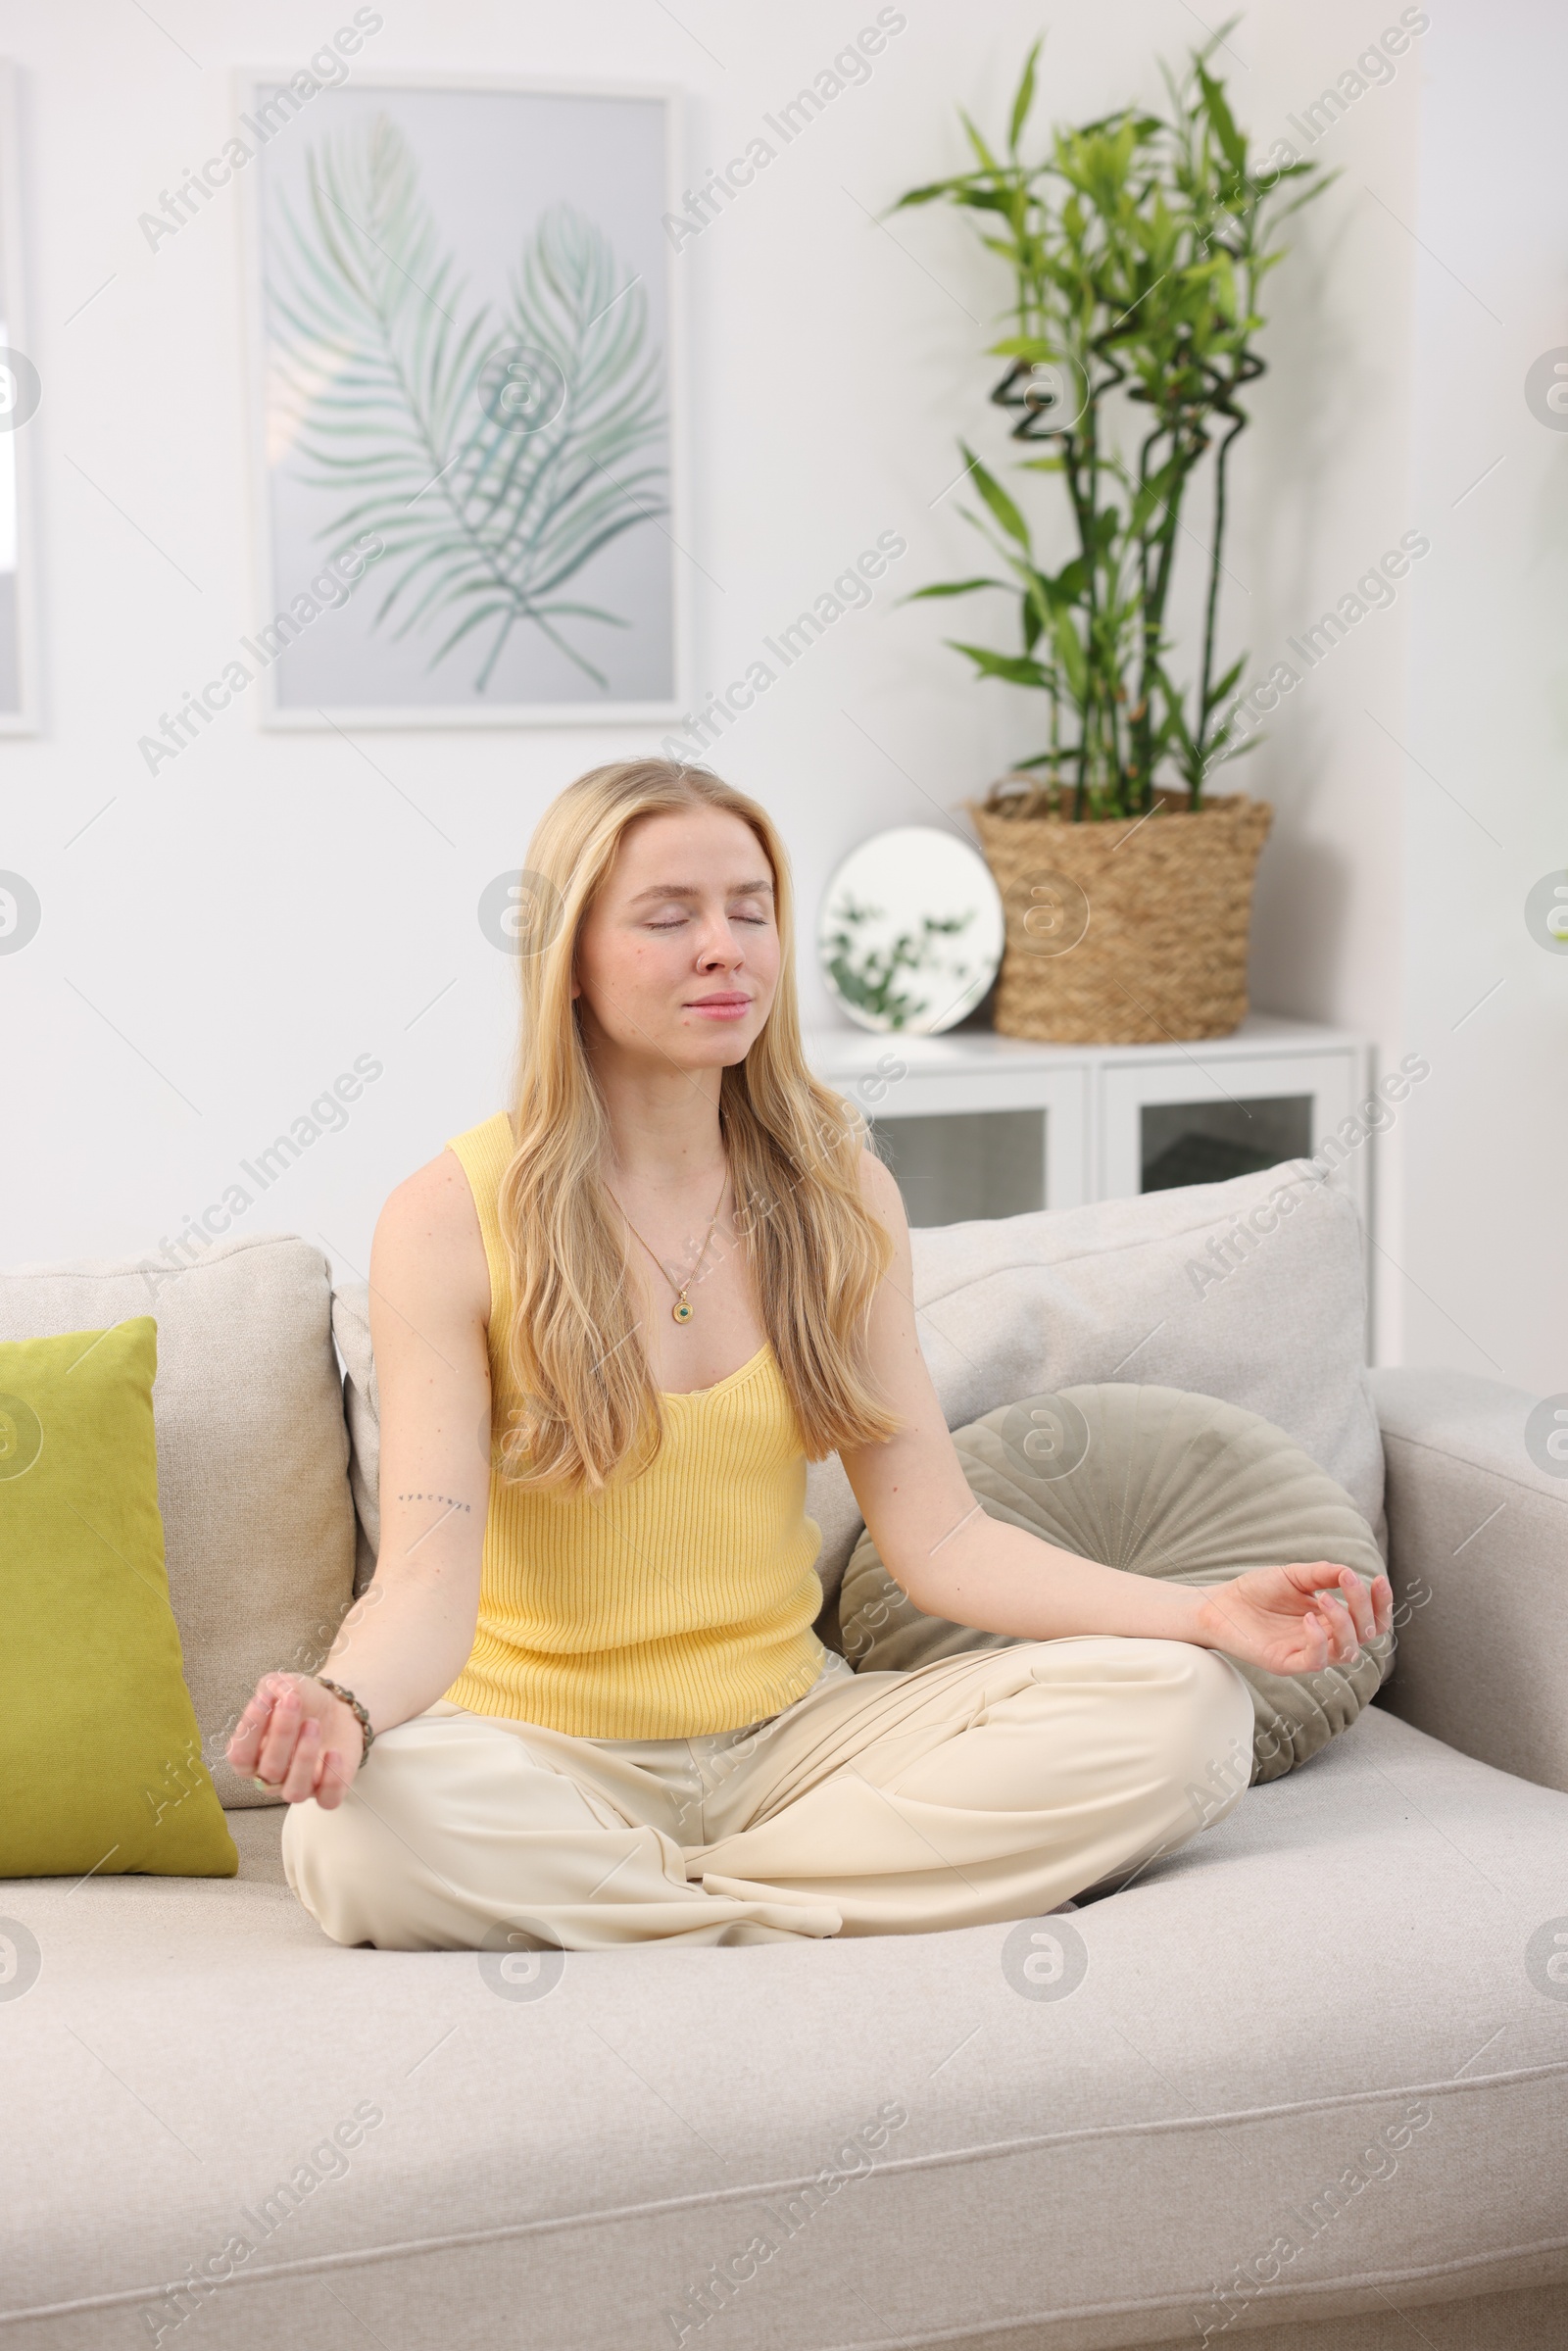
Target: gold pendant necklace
x: 681, y: 1310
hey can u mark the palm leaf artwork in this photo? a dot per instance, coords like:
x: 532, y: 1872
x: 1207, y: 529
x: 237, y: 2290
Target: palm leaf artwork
x: 494, y: 456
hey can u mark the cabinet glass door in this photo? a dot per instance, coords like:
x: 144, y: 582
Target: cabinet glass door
x: 1202, y: 1119
x: 1204, y: 1142
x: 967, y: 1164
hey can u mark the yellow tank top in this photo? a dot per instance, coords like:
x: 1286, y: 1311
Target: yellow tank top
x: 674, y: 1601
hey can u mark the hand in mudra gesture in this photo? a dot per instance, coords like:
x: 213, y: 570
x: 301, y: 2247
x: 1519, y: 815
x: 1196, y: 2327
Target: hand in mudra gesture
x: 299, y: 1741
x: 1298, y: 1619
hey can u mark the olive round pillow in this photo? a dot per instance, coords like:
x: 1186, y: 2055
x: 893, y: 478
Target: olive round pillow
x: 1162, y: 1483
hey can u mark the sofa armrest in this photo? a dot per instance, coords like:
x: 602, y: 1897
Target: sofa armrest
x: 1478, y: 1558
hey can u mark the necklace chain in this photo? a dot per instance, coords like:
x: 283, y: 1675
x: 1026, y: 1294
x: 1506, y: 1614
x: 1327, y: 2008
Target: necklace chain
x: 681, y: 1312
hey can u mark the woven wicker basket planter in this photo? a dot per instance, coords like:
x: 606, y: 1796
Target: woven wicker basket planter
x: 1131, y: 932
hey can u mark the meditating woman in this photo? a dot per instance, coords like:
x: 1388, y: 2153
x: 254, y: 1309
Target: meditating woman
x: 611, y: 1326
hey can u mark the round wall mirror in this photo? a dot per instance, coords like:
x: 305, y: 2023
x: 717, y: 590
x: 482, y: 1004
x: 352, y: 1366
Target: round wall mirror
x: 910, y: 931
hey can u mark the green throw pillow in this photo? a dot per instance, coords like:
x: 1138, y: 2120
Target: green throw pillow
x: 1162, y: 1483
x: 100, y: 1757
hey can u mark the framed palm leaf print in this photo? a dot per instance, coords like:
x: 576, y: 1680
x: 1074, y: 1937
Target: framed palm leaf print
x: 471, y: 509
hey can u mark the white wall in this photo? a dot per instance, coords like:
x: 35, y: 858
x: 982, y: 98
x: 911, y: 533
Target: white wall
x: 271, y: 907
x: 1486, y: 1159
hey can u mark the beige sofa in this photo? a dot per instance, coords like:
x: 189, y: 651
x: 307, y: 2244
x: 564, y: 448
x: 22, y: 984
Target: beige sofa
x: 1307, y: 2083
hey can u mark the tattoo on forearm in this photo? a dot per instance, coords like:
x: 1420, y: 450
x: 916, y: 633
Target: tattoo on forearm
x: 435, y: 1497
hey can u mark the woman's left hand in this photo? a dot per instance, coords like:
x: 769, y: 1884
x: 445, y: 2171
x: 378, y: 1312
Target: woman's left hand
x: 1296, y: 1619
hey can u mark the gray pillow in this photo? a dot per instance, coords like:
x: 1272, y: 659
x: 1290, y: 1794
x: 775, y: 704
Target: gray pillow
x: 1162, y: 1483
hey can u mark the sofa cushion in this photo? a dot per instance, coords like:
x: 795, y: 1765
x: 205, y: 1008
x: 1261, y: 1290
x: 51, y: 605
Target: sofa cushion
x: 1158, y: 1483
x: 1269, y: 2082
x: 100, y: 1756
x: 252, y: 1455
x: 1251, y: 1290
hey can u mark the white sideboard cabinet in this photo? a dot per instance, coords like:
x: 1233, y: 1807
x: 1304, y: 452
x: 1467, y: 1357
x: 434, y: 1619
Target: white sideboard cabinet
x: 974, y: 1124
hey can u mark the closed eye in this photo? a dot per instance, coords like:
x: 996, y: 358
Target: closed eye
x: 674, y: 922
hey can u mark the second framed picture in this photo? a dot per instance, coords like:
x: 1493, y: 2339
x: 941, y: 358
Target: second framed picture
x: 466, y: 404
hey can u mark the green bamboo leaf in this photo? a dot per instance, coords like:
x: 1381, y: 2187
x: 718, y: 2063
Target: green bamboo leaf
x: 1040, y: 591
x: 1156, y: 496
x: 950, y: 587
x: 1017, y: 668
x: 1232, y: 145
x: 1025, y: 97
x: 930, y: 193
x: 979, y: 143
x: 1034, y: 347
x: 989, y: 200
x: 1073, y: 660
x: 997, y: 499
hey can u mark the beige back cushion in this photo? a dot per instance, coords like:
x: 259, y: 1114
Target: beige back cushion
x: 1161, y: 1483
x: 252, y: 1455
x: 1250, y: 1289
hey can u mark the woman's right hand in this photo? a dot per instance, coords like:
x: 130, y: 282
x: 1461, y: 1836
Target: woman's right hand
x: 300, y: 1739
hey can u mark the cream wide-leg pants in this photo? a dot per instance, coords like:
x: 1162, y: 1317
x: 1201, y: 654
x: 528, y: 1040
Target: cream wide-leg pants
x: 977, y: 1788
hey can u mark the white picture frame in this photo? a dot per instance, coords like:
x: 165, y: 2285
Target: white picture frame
x: 20, y: 707
x: 647, y: 675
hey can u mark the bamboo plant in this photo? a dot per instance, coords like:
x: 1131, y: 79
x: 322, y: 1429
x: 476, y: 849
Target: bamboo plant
x: 1138, y: 245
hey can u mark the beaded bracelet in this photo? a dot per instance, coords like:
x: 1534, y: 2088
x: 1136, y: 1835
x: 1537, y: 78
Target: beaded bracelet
x: 350, y: 1700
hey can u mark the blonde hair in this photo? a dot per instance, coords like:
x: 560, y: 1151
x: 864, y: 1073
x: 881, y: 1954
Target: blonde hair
x: 587, y: 1403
